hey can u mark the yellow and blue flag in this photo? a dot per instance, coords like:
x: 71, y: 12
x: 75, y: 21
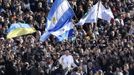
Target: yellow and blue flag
x: 18, y: 29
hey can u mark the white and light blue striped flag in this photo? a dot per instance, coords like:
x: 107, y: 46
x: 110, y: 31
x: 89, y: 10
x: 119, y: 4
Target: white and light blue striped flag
x: 97, y: 11
x: 59, y: 14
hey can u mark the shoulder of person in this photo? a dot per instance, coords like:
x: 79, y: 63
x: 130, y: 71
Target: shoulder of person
x: 63, y: 56
x: 70, y: 56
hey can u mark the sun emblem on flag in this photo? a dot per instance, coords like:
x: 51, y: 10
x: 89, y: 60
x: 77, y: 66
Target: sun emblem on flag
x: 53, y: 19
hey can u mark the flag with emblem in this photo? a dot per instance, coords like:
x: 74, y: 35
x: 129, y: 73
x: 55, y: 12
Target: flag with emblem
x: 59, y: 14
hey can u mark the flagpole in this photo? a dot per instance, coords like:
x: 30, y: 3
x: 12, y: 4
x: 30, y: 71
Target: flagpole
x: 74, y: 15
x: 97, y: 16
x: 98, y: 8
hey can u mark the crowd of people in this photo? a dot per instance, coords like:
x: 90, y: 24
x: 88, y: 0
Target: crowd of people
x: 100, y: 48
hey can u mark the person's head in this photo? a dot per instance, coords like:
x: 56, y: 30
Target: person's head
x: 76, y: 69
x: 67, y: 52
x: 26, y: 64
x: 40, y: 5
x: 100, y: 72
x: 76, y: 56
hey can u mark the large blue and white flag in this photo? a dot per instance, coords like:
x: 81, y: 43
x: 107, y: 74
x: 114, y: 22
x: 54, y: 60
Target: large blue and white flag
x: 59, y: 14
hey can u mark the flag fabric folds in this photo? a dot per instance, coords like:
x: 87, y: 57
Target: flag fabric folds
x: 60, y: 13
x: 45, y: 36
x: 105, y: 14
x: 97, y: 11
x: 67, y: 26
x: 68, y: 35
x: 64, y: 32
x: 90, y: 16
x: 18, y: 29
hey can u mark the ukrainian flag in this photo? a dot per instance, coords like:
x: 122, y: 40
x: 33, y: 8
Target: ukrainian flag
x: 18, y: 29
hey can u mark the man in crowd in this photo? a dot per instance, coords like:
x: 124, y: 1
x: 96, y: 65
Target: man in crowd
x: 67, y: 61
